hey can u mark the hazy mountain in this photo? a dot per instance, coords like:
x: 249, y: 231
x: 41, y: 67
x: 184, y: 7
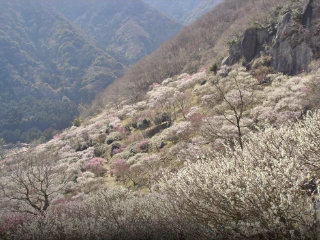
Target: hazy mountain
x: 47, y: 68
x: 183, y: 11
x: 59, y: 54
x: 126, y: 29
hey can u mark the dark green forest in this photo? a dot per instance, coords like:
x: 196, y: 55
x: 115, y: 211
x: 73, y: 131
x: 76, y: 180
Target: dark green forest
x: 128, y: 30
x: 50, y: 66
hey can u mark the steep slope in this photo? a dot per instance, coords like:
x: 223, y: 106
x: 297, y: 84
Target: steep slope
x: 198, y: 45
x: 48, y: 67
x: 200, y: 9
x: 186, y: 11
x: 128, y: 30
x: 224, y: 154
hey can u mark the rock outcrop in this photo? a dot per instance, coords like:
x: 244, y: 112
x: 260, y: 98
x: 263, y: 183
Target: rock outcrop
x: 248, y: 46
x: 292, y: 43
x: 307, y: 14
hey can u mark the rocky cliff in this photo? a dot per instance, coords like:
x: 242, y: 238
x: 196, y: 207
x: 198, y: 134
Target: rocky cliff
x: 292, y: 41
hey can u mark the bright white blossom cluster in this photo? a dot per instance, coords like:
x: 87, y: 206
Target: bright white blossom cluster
x: 268, y: 188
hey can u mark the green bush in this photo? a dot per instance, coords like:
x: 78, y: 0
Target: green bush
x: 99, y: 150
x: 215, y: 67
x: 77, y: 122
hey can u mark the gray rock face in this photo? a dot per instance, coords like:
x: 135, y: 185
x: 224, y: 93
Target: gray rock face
x: 283, y: 25
x: 249, y: 44
x: 307, y: 13
x: 235, y: 54
x: 263, y: 36
x: 281, y: 51
x: 290, y: 48
x: 245, y: 48
x: 290, y: 59
x: 282, y: 60
x: 302, y: 56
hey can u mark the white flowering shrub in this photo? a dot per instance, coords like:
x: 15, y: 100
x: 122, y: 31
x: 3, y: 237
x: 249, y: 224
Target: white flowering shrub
x: 189, y: 81
x: 30, y: 185
x: 180, y: 130
x: 170, y: 99
x: 283, y: 100
x: 266, y: 190
x: 269, y: 188
x: 229, y: 106
x: 110, y: 214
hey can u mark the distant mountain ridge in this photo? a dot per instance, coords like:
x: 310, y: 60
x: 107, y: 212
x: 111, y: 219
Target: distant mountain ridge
x: 184, y: 11
x: 49, y: 65
x: 128, y: 30
x: 47, y: 68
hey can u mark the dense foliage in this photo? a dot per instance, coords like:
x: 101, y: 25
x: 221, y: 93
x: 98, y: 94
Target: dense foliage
x: 128, y: 30
x: 49, y: 67
x: 163, y: 151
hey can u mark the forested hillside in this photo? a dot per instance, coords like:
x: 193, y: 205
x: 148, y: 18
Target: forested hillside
x: 50, y: 66
x: 128, y: 30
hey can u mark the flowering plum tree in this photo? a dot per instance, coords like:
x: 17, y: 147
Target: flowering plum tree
x: 120, y: 168
x: 95, y: 165
x: 267, y: 187
x: 30, y: 185
x: 234, y: 95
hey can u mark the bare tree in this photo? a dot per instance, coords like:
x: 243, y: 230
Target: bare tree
x: 31, y: 184
x: 235, y: 95
x: 237, y: 110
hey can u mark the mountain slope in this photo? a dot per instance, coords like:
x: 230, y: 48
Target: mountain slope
x: 48, y: 67
x: 199, y: 44
x: 126, y: 29
x: 57, y: 55
x: 230, y: 153
x: 185, y: 11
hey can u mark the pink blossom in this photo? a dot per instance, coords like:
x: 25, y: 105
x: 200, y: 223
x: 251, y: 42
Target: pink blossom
x: 119, y: 167
x: 57, y: 136
x: 120, y: 129
x: 12, y: 221
x: 95, y: 165
x: 134, y: 137
x: 141, y: 146
x: 117, y: 150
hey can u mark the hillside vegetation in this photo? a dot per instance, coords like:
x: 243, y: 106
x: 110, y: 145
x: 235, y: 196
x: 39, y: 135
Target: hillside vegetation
x: 197, y: 45
x: 230, y: 153
x: 47, y: 68
x: 128, y: 30
x: 51, y: 67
